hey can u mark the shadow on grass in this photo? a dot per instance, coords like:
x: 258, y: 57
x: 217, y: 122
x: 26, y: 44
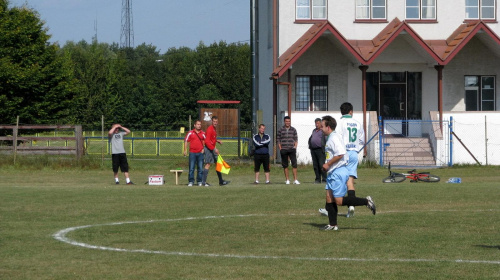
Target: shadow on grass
x: 321, y: 226
x: 488, y: 246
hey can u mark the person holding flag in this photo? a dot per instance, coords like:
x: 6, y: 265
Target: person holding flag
x: 211, y: 152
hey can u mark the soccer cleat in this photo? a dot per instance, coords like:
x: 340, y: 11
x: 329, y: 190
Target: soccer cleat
x: 371, y: 205
x: 329, y: 227
x: 268, y: 182
x: 350, y: 212
x: 224, y: 183
x: 200, y: 184
x: 207, y: 185
x: 323, y: 212
x: 190, y: 184
x: 117, y: 182
x: 287, y: 182
x: 130, y: 183
x: 256, y: 182
x: 296, y: 182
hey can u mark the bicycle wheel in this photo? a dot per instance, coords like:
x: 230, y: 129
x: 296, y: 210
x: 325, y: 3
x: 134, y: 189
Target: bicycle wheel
x: 429, y: 178
x: 394, y: 179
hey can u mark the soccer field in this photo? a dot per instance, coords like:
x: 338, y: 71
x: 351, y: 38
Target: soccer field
x: 77, y: 224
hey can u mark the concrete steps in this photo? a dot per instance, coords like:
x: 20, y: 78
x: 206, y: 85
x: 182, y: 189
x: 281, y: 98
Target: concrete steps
x: 408, y: 151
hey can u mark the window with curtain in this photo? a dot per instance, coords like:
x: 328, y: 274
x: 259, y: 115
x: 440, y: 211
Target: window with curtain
x: 311, y: 93
x: 370, y: 9
x: 310, y: 9
x: 480, y: 9
x: 480, y: 93
x: 421, y: 9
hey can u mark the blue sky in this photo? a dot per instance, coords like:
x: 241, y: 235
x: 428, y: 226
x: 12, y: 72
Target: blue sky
x: 161, y: 23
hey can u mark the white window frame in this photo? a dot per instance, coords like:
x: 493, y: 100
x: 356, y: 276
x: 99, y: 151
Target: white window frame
x: 364, y: 10
x: 312, y: 6
x: 421, y: 8
x: 479, y: 89
x: 479, y: 7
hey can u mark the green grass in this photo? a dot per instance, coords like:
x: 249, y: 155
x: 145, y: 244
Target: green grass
x: 419, y: 232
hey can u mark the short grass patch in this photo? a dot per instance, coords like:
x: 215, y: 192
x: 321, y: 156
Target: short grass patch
x: 245, y: 231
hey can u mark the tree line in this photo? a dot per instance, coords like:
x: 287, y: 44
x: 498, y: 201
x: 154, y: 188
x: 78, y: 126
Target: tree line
x: 79, y: 82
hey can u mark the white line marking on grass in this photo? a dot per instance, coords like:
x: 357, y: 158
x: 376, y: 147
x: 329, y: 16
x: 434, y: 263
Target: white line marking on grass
x: 61, y: 236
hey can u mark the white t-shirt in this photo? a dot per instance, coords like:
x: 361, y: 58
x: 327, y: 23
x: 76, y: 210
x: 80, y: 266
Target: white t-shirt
x: 351, y: 132
x: 334, y: 147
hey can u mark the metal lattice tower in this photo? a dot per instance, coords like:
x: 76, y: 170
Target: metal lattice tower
x: 127, y: 32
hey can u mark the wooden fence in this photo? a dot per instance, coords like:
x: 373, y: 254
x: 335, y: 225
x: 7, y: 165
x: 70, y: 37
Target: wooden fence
x: 23, y: 144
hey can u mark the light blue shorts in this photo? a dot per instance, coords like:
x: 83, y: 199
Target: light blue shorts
x: 337, y: 181
x: 352, y: 166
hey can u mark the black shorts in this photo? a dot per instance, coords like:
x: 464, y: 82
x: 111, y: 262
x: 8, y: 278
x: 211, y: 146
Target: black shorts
x: 288, y: 154
x: 261, y: 159
x: 119, y: 160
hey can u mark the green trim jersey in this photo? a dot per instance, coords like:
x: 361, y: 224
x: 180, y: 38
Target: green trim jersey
x: 351, y: 132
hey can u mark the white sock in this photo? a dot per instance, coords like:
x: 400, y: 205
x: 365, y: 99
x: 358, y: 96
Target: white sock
x: 128, y: 180
x: 116, y: 180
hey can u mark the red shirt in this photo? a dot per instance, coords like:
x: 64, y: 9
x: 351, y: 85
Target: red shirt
x: 211, y: 138
x: 195, y: 141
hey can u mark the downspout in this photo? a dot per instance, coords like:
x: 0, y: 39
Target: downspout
x: 363, y: 69
x: 439, y: 68
x: 253, y: 61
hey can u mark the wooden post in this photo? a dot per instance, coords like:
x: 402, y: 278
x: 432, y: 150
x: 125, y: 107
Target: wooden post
x: 14, y: 139
x: 79, y: 141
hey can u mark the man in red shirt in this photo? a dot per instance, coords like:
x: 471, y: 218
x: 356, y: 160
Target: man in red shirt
x: 196, y: 139
x: 211, y: 152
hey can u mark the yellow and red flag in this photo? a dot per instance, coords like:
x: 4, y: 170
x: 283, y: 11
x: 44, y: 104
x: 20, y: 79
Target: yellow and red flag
x: 222, y: 166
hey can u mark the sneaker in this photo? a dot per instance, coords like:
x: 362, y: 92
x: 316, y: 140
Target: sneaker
x: 350, y: 212
x: 117, y: 182
x: 200, y: 184
x: 130, y: 183
x: 207, y: 185
x: 296, y: 182
x: 224, y: 183
x: 323, y: 212
x: 329, y: 227
x: 190, y: 184
x: 371, y: 205
x: 287, y: 182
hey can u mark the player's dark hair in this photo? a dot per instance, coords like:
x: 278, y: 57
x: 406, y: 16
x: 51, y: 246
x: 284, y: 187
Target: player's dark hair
x: 345, y: 108
x: 196, y: 121
x: 330, y: 121
x: 260, y: 125
x: 286, y: 118
x: 214, y: 118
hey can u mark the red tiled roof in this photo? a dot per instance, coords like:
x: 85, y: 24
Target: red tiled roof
x: 366, y: 51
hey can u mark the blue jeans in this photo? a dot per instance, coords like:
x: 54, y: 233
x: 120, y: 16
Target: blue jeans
x: 195, y: 158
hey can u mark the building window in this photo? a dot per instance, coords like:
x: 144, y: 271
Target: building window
x: 370, y: 9
x: 310, y: 9
x: 479, y: 93
x: 311, y: 93
x: 421, y: 9
x: 480, y: 9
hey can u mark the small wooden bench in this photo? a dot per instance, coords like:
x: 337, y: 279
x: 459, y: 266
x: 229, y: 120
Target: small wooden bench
x: 177, y: 173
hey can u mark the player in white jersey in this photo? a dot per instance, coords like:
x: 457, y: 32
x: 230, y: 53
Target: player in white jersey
x: 353, y: 135
x: 337, y: 175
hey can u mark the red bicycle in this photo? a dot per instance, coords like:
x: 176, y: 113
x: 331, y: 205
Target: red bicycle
x: 414, y: 177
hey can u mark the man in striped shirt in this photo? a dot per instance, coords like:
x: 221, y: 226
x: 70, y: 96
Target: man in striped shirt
x: 287, y: 142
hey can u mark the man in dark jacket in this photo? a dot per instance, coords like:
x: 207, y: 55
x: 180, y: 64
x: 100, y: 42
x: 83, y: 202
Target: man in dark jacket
x: 317, y: 147
x: 261, y: 155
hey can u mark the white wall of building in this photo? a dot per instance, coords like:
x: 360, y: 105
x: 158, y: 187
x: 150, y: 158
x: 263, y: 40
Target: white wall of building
x: 341, y: 13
